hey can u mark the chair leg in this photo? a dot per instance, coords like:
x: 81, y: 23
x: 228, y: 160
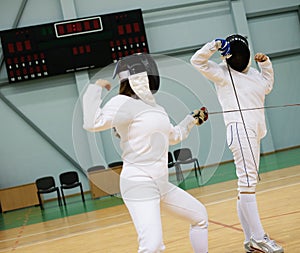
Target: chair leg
x: 58, y: 197
x: 63, y: 196
x: 40, y: 201
x: 179, y: 174
x: 198, y: 167
x: 196, y: 175
x: 82, y: 194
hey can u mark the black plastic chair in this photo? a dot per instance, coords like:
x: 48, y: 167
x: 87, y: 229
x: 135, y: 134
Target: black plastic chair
x: 115, y: 164
x: 46, y: 185
x: 69, y: 180
x: 95, y: 168
x: 184, y: 156
x: 172, y: 163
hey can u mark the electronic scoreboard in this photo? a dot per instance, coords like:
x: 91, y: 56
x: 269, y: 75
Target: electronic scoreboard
x: 72, y: 45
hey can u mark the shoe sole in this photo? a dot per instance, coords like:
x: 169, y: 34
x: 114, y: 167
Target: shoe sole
x: 256, y: 250
x: 259, y: 250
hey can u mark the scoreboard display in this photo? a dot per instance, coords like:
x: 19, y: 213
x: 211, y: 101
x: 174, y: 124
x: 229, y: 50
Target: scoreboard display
x: 72, y: 45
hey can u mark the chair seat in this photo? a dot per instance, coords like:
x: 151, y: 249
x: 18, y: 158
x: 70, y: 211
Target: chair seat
x: 53, y: 189
x: 96, y: 168
x: 115, y: 164
x: 187, y: 161
x: 171, y: 164
x: 69, y: 186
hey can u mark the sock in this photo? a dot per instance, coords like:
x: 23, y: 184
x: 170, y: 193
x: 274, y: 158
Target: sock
x: 199, y: 239
x: 249, y: 209
x: 243, y: 221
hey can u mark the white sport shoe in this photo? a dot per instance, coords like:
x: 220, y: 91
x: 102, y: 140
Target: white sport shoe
x: 266, y: 245
x: 247, y: 248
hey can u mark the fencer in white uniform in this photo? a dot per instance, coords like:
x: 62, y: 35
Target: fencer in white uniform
x: 239, y: 88
x: 145, y: 135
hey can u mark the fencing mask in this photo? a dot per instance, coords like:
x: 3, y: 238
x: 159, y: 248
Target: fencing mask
x: 240, y: 53
x: 137, y: 64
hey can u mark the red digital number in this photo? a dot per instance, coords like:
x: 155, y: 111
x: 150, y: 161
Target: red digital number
x: 136, y: 27
x: 96, y: 24
x: 27, y: 44
x: 78, y: 27
x: 60, y: 30
x: 11, y: 48
x: 87, y: 25
x: 19, y: 46
x: 128, y: 28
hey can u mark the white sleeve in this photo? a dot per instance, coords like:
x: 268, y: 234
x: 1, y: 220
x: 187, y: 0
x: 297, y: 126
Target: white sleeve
x: 210, y: 69
x: 267, y: 74
x: 182, y: 130
x: 94, y: 117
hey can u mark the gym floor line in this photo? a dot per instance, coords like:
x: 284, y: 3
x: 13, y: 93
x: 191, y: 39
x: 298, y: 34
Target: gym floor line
x: 223, y: 172
x: 117, y: 217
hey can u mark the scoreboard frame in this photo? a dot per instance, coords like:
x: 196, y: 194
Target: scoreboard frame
x: 72, y: 45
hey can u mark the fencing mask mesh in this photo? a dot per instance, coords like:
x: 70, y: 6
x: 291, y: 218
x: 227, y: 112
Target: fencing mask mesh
x: 240, y: 53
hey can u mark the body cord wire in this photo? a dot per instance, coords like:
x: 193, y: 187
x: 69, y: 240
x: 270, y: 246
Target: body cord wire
x: 242, y: 117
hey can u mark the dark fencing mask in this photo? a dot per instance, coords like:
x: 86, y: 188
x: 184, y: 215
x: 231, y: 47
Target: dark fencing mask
x: 240, y: 53
x: 138, y: 63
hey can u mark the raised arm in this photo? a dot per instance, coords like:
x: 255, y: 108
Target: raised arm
x: 267, y: 71
x: 94, y: 117
x: 210, y: 69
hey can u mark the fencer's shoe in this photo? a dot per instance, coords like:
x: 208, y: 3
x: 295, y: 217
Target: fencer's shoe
x: 247, y: 248
x: 266, y: 245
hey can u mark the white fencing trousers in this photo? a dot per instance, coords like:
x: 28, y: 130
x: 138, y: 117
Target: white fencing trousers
x: 246, y: 159
x: 144, y: 197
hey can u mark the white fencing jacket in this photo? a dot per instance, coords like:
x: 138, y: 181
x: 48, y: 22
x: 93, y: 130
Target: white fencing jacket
x: 251, y: 88
x: 145, y: 129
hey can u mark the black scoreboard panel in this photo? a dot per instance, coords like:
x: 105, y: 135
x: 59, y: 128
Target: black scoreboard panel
x: 72, y: 45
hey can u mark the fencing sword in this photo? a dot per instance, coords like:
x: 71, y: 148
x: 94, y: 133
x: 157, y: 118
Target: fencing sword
x: 256, y: 108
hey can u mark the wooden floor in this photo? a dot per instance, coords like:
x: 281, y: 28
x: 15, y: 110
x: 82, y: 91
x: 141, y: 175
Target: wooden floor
x: 111, y: 230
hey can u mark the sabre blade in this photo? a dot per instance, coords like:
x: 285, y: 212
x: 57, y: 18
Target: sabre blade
x: 251, y: 109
